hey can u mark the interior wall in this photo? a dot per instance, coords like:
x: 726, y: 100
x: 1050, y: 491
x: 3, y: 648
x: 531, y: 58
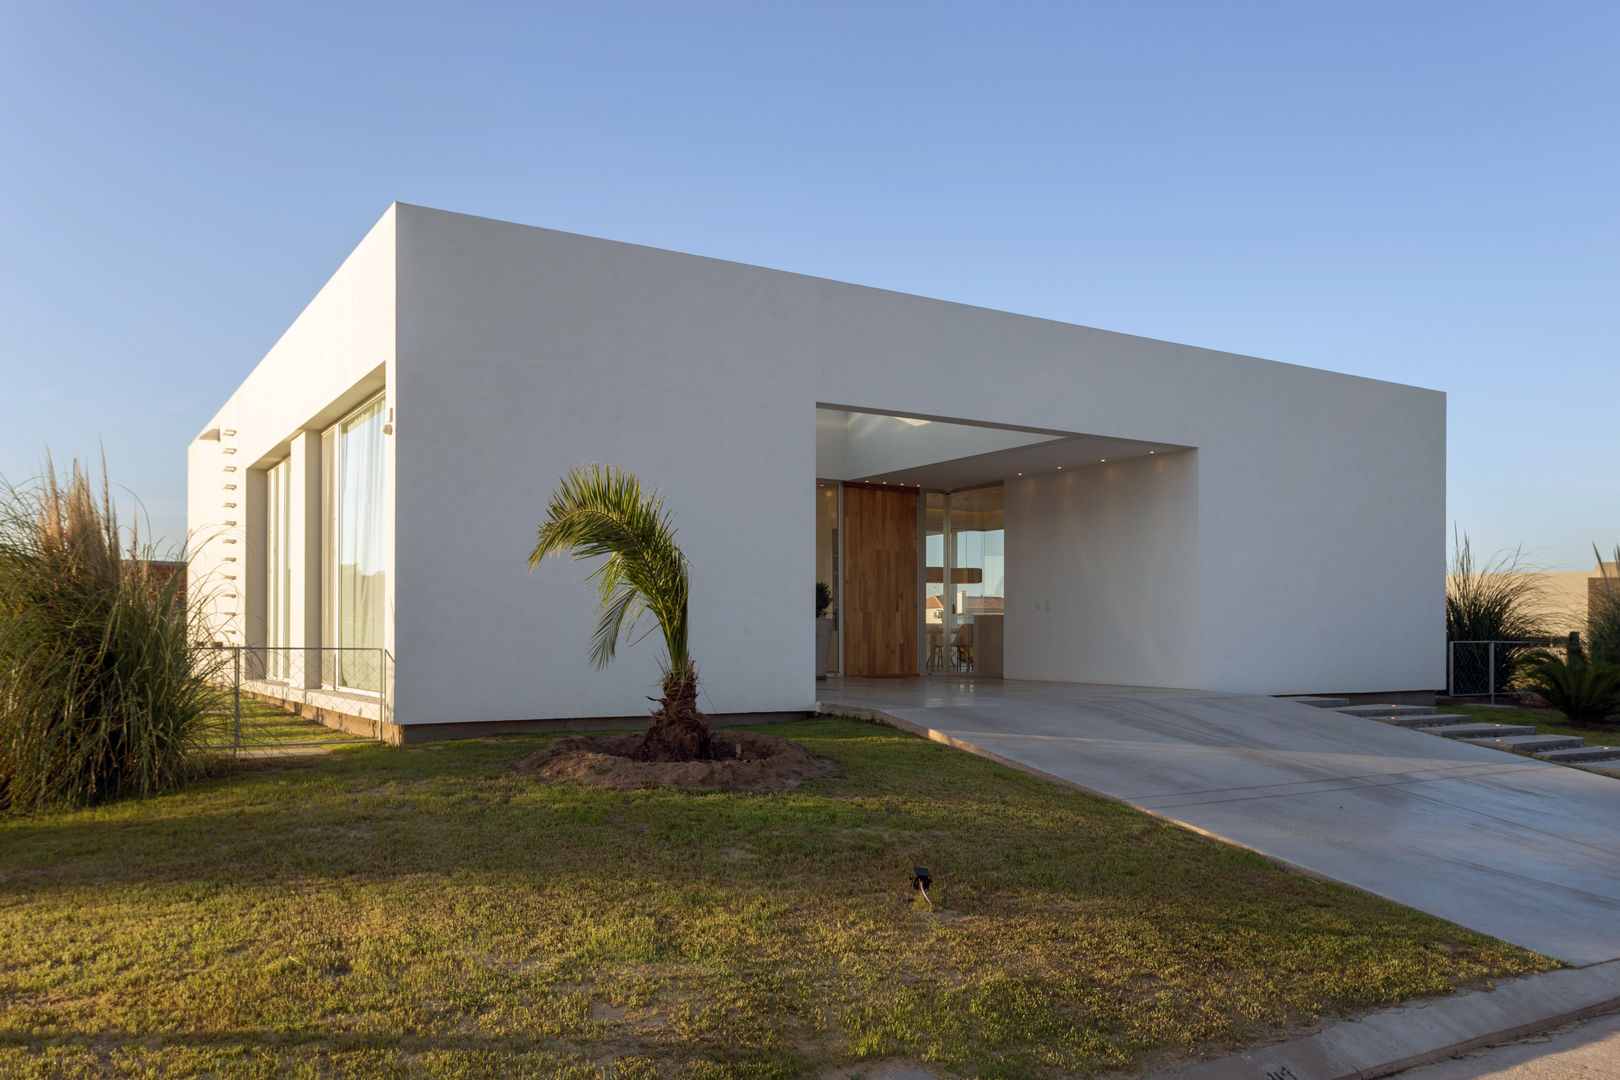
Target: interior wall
x: 1102, y: 578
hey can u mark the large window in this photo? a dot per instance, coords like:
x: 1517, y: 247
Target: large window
x: 356, y: 568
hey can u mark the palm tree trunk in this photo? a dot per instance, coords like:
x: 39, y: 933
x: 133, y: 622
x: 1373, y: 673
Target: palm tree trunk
x: 678, y: 732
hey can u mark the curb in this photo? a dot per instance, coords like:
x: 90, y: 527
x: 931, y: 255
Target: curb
x: 1424, y: 1032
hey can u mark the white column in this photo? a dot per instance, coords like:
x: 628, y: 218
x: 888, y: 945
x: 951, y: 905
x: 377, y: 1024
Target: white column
x: 252, y: 549
x: 304, y: 551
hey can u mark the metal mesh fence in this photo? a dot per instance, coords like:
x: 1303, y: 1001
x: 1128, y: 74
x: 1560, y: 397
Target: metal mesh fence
x: 1490, y: 669
x: 288, y: 700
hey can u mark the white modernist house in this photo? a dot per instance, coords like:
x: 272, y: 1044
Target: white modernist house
x: 987, y: 494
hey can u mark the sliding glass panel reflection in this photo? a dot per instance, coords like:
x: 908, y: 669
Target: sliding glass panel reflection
x: 360, y: 553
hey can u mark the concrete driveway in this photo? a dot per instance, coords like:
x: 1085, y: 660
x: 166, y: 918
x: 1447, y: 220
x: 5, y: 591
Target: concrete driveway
x: 1523, y: 850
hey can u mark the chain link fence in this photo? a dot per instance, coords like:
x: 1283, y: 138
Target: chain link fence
x: 276, y: 700
x: 1490, y: 669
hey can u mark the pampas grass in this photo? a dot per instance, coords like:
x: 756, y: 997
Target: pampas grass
x: 1603, y: 614
x: 104, y: 681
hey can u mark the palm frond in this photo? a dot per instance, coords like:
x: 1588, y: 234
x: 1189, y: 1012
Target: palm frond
x: 1586, y: 691
x: 601, y: 512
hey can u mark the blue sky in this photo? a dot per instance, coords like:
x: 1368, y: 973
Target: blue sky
x: 1428, y: 193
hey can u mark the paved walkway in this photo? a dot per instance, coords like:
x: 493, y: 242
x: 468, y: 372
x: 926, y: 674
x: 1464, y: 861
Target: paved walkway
x: 1520, y: 849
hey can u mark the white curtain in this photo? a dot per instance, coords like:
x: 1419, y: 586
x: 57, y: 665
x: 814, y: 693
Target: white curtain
x: 360, y: 555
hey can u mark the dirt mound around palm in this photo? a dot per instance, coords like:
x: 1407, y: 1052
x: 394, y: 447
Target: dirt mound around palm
x: 740, y: 759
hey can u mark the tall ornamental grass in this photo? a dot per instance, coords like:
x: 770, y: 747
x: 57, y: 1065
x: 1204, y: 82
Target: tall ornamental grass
x: 1495, y: 599
x: 1603, y: 614
x: 104, y: 681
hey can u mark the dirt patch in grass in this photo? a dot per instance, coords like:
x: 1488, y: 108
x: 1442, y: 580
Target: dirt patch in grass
x: 742, y: 760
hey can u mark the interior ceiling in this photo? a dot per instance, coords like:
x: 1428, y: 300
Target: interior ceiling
x: 1059, y: 452
x: 1074, y: 452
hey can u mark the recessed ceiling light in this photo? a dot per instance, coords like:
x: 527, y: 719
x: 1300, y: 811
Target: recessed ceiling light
x: 1152, y: 451
x: 1103, y: 460
x: 1060, y: 468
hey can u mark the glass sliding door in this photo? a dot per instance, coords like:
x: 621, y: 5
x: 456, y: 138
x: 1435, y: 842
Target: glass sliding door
x: 975, y: 608
x: 829, y: 570
x: 935, y: 658
x: 358, y: 558
x: 964, y: 574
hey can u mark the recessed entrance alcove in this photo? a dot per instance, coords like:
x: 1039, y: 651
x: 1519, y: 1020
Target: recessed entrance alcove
x: 971, y: 549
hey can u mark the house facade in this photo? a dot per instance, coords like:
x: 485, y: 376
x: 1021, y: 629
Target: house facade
x: 988, y: 494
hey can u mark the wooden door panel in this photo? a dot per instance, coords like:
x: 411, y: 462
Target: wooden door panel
x: 880, y: 581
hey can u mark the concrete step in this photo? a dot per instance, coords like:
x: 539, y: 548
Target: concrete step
x: 1581, y: 753
x: 1479, y: 731
x: 1377, y: 711
x: 1437, y: 720
x: 1530, y: 744
x: 1322, y: 702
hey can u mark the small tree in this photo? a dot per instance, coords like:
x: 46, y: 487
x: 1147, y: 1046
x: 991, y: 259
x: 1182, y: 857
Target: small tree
x: 600, y: 512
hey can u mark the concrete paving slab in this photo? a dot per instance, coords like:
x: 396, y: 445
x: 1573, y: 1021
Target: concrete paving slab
x: 1584, y: 753
x: 1386, y: 710
x: 1475, y: 731
x: 1529, y: 744
x: 1424, y: 1031
x: 1425, y: 721
x: 1521, y: 849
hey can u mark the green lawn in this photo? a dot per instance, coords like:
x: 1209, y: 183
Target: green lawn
x: 1546, y: 721
x: 264, y: 725
x: 425, y: 912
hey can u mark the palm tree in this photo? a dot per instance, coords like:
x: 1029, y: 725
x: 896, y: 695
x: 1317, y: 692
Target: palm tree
x: 600, y: 512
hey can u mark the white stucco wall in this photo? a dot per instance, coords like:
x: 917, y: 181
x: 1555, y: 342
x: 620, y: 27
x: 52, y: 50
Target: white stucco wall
x: 523, y: 352
x: 1102, y: 573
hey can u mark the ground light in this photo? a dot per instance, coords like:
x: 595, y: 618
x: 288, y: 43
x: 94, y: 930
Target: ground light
x: 920, y: 880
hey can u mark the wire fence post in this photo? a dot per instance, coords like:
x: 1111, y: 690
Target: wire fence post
x: 382, y: 691
x: 1451, y: 668
x: 236, y: 701
x: 1491, y: 667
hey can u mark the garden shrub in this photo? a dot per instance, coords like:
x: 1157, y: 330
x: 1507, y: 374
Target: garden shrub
x: 1586, y: 691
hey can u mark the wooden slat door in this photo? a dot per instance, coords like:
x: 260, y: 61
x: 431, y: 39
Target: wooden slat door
x: 880, y: 581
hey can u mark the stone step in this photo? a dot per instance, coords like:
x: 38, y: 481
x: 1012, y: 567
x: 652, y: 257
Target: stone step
x: 1376, y: 711
x: 1479, y: 731
x: 1581, y: 753
x: 1321, y: 702
x: 1437, y: 720
x: 1529, y: 744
